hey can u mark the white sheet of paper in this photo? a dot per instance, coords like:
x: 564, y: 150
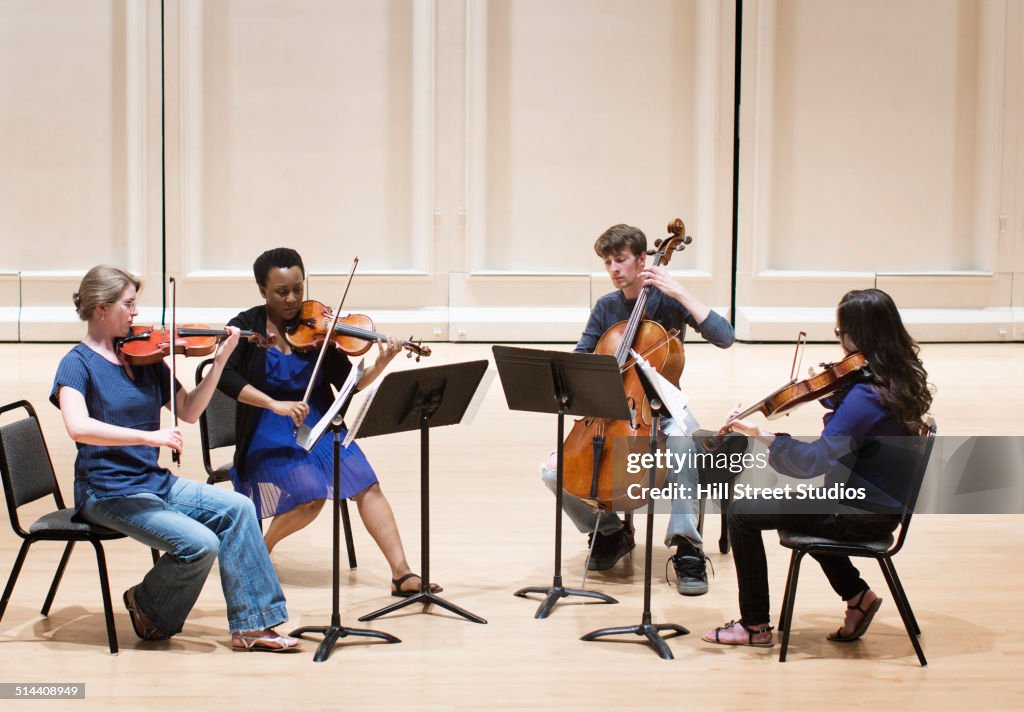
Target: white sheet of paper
x: 356, y: 422
x: 674, y: 399
x: 307, y: 437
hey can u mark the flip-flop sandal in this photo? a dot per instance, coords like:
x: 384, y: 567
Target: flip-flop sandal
x: 862, y: 627
x: 751, y: 632
x: 398, y: 592
x: 144, y: 627
x: 263, y: 644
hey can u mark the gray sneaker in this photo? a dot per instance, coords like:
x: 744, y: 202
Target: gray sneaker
x: 691, y: 573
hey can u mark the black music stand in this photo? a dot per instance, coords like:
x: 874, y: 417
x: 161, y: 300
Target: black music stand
x: 646, y: 629
x: 422, y: 399
x: 336, y: 630
x: 588, y: 385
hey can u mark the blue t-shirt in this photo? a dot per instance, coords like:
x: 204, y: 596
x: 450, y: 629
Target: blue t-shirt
x: 114, y: 398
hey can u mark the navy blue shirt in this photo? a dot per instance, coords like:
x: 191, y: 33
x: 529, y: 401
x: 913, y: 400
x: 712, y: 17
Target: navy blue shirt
x: 852, y: 449
x: 112, y: 397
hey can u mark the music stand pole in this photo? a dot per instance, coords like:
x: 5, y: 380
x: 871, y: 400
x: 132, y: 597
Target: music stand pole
x: 646, y: 629
x: 539, y: 381
x: 335, y: 631
x: 441, y: 391
x: 556, y: 590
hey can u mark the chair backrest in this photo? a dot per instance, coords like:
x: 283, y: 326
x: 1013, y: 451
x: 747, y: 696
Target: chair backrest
x: 217, y: 423
x: 25, y: 465
x: 915, y: 483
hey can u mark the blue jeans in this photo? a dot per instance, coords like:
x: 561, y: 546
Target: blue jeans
x: 682, y: 523
x: 195, y: 524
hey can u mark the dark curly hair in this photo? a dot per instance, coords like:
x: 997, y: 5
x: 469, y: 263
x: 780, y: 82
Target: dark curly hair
x: 277, y: 258
x: 870, y: 320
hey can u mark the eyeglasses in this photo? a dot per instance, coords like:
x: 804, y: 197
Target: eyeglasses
x: 129, y: 304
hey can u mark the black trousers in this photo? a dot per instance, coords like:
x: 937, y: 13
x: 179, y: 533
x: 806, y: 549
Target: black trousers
x: 749, y: 517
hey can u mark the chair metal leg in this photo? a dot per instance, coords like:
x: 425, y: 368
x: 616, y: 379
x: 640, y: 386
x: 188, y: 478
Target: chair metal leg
x: 723, y: 538
x: 903, y: 607
x: 902, y: 594
x: 789, y: 601
x: 108, y: 610
x: 56, y: 579
x: 346, y: 524
x: 15, y: 570
x: 700, y: 516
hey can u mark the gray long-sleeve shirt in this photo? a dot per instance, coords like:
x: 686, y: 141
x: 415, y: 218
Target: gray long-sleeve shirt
x: 614, y: 307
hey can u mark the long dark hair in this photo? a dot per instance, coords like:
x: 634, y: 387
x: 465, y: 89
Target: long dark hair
x: 870, y: 320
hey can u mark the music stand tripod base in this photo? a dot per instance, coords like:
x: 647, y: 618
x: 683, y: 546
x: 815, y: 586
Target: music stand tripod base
x: 651, y: 631
x: 556, y: 591
x: 426, y: 598
x: 334, y: 632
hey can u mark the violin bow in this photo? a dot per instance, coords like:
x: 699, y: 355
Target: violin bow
x: 329, y: 334
x: 175, y: 455
x: 798, y: 356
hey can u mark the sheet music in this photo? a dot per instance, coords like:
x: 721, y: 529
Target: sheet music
x: 307, y: 437
x: 673, y: 399
x: 356, y: 422
x: 478, y: 397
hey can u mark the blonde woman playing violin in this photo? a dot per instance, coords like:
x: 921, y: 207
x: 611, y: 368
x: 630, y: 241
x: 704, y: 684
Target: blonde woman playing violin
x: 112, y: 411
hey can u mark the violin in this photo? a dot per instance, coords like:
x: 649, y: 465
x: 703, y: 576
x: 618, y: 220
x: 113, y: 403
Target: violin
x: 590, y: 472
x: 832, y: 378
x: 148, y: 345
x: 353, y: 334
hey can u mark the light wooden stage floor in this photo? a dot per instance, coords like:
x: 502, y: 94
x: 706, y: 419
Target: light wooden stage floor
x: 492, y: 533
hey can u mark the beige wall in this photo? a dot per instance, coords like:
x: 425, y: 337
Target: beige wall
x: 469, y: 151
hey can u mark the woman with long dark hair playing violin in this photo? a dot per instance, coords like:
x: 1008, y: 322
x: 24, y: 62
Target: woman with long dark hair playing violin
x: 112, y: 411
x: 890, y: 401
x: 283, y: 480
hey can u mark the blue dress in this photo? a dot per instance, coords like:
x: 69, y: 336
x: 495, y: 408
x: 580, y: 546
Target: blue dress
x: 281, y: 475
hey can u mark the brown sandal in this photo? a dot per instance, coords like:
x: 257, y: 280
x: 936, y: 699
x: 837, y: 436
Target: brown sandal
x: 862, y: 627
x: 751, y: 632
x: 144, y: 627
x: 399, y: 592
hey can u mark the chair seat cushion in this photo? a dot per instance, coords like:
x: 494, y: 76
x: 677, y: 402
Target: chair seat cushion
x: 60, y: 522
x: 797, y: 540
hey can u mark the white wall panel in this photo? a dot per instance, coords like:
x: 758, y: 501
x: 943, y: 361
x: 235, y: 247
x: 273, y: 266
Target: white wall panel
x: 305, y: 124
x: 77, y: 138
x: 872, y: 145
x: 583, y: 114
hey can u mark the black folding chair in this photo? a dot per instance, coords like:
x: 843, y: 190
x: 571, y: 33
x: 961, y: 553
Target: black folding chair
x: 27, y: 473
x: 882, y: 550
x: 217, y: 430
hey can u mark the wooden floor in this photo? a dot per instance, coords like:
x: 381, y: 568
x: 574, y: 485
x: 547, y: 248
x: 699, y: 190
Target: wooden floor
x: 492, y: 523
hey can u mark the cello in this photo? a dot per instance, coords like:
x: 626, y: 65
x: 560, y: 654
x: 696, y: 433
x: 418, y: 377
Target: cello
x: 593, y: 469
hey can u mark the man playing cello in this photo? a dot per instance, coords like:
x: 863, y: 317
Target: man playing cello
x: 623, y: 251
